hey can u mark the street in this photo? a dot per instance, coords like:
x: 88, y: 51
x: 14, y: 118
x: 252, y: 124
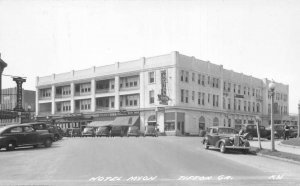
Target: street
x: 140, y: 161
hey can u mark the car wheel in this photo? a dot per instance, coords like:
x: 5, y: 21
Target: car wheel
x: 56, y: 137
x: 250, y: 137
x: 48, y: 142
x: 206, y: 144
x: 11, y: 146
x: 222, y: 148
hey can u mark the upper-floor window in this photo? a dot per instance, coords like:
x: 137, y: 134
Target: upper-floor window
x: 151, y: 77
x: 186, y: 96
x: 181, y: 75
x: 45, y: 92
x: 229, y: 87
x: 199, y: 79
x: 203, y: 80
x: 193, y: 77
x: 182, y: 95
x: 208, y: 80
x: 234, y: 87
x: 83, y: 88
x: 186, y: 76
x: 239, y: 89
x: 151, y: 97
x: 193, y: 95
x: 224, y: 85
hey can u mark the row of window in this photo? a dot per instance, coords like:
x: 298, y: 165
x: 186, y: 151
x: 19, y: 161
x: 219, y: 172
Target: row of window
x: 201, y: 79
x: 239, y: 90
x: 237, y: 105
x: 201, y: 98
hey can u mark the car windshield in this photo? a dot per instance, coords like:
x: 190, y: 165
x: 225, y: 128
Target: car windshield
x: 226, y: 131
x: 2, y: 128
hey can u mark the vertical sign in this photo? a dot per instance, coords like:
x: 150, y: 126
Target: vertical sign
x: 19, y: 82
x: 163, y: 98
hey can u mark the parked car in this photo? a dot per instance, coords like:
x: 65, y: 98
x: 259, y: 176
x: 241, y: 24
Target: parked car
x: 151, y: 131
x: 133, y: 131
x: 251, y: 129
x: 103, y: 131
x: 225, y: 138
x: 293, y: 131
x: 88, y: 131
x: 73, y: 132
x: 13, y: 136
x: 42, y: 127
x: 278, y: 130
x: 117, y: 131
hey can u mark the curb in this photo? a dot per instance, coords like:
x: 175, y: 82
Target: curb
x: 289, y: 146
x: 277, y: 158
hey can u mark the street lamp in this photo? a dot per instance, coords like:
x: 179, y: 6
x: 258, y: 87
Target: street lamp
x: 298, y: 119
x: 272, y: 89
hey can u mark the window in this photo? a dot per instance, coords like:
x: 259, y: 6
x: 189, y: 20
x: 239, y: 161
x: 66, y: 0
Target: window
x: 203, y: 98
x: 208, y: 80
x: 193, y: 95
x: 199, y: 79
x: 181, y: 75
x: 224, y: 103
x: 151, y: 77
x: 186, y: 76
x: 16, y: 130
x: 203, y: 80
x: 253, y: 107
x: 112, y: 104
x: 229, y: 85
x: 135, y: 102
x: 182, y: 95
x: 245, y: 106
x: 151, y: 97
x: 28, y: 129
x: 224, y: 85
x: 249, y: 105
x: 239, y: 89
x: 217, y: 83
x: 193, y: 77
x: 234, y: 87
x: 187, y: 96
x: 208, y: 98
x: 199, y: 98
x: 239, y: 106
x: 229, y: 103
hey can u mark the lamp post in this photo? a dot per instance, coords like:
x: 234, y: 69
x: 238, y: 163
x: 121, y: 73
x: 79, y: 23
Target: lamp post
x: 298, y: 135
x: 272, y: 89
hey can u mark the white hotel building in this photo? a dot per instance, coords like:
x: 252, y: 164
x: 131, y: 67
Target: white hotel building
x: 201, y: 94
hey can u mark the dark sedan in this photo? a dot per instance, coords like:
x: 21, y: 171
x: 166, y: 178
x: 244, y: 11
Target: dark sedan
x: 117, y: 131
x: 13, y: 136
x: 88, y: 131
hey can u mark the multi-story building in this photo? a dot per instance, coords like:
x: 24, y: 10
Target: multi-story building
x: 9, y: 102
x: 199, y: 94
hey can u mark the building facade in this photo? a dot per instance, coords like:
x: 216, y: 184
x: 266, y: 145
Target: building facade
x: 180, y: 94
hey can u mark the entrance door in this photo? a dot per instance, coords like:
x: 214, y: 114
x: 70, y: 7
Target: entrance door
x: 182, y: 128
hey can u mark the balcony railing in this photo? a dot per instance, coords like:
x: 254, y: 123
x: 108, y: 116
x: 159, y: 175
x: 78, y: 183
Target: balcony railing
x: 62, y: 96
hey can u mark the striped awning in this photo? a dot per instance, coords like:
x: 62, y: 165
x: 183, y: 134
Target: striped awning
x: 100, y: 123
x: 126, y: 121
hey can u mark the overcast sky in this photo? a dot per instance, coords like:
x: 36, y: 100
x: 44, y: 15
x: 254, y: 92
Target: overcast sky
x: 258, y: 37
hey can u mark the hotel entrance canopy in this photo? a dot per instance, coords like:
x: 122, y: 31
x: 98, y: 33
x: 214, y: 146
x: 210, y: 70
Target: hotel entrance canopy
x: 119, y: 121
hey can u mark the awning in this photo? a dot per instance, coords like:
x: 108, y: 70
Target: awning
x: 126, y: 121
x: 100, y: 123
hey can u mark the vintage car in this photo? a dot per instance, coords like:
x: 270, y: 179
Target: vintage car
x: 293, y: 131
x: 151, y: 131
x: 73, y: 132
x: 42, y: 126
x: 88, y: 132
x: 19, y: 135
x: 103, y: 131
x: 133, y: 131
x: 225, y: 138
x: 117, y: 131
x: 251, y: 129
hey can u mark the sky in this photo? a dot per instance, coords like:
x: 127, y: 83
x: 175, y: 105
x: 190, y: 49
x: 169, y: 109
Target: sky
x: 255, y: 37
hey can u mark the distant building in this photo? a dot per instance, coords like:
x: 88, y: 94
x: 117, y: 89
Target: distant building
x: 181, y: 94
x: 9, y: 102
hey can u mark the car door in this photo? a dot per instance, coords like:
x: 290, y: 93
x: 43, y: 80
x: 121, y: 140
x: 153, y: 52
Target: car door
x: 30, y: 135
x: 17, y: 133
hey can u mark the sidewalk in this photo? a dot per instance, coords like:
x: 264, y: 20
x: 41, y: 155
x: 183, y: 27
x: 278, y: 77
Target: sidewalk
x: 266, y: 144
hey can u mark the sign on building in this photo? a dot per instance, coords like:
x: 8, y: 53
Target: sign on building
x: 163, y: 98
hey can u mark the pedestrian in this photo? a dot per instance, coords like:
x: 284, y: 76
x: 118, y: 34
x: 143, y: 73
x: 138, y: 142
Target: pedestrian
x: 286, y: 132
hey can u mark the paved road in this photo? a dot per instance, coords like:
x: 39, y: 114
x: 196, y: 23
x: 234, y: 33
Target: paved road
x: 140, y: 161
